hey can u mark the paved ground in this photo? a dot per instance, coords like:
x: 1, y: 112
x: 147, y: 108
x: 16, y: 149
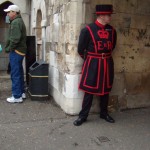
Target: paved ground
x: 36, y: 125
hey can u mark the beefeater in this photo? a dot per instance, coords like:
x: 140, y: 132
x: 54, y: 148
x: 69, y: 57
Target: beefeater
x: 96, y: 44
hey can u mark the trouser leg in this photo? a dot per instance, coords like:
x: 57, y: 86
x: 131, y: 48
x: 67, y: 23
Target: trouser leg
x: 16, y: 74
x: 22, y: 80
x: 86, y: 105
x: 104, y: 99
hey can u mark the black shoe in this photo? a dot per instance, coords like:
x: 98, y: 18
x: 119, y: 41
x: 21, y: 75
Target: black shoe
x: 107, y: 118
x: 79, y: 121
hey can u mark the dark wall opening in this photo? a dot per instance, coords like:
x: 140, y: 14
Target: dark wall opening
x: 3, y: 32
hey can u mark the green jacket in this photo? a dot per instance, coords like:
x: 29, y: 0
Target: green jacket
x: 16, y: 39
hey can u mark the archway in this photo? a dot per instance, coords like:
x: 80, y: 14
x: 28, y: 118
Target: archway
x: 39, y: 23
x: 39, y: 34
x: 3, y: 32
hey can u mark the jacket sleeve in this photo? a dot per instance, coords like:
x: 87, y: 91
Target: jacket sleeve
x: 7, y: 49
x: 15, y: 35
x: 83, y: 43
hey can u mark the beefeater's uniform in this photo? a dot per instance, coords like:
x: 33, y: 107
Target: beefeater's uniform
x: 96, y: 43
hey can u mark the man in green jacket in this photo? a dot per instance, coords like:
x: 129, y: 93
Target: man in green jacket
x: 16, y: 47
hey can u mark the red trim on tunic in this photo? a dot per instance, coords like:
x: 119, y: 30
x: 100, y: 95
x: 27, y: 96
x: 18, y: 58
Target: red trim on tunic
x: 87, y: 71
x: 94, y: 92
x: 92, y: 38
x: 98, y: 77
x: 82, y: 71
x: 101, y: 55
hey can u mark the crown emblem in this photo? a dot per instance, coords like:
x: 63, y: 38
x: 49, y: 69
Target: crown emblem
x: 103, y: 34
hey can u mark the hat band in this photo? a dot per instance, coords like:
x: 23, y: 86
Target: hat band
x: 104, y: 12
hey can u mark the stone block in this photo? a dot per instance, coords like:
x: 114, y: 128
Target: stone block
x: 119, y: 64
x: 48, y: 34
x: 140, y: 21
x: 143, y: 7
x: 137, y: 64
x: 119, y: 84
x: 133, y: 83
x: 95, y: 2
x: 113, y: 103
x: 72, y: 33
x: 130, y: 36
x: 131, y: 58
x: 55, y: 28
x: 53, y: 59
x: 73, y: 64
x: 137, y: 83
x: 61, y: 62
x: 89, y: 17
x: 54, y: 77
x: 3, y: 32
x: 73, y: 13
x: 122, y: 102
x: 145, y: 83
x: 125, y: 5
x: 71, y: 84
x: 138, y: 100
x: 4, y: 63
x: 23, y: 5
x: 71, y: 106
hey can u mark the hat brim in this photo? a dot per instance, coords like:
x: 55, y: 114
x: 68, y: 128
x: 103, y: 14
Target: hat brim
x: 6, y: 10
x: 104, y: 13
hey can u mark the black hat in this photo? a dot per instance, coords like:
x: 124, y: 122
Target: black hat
x: 104, y: 9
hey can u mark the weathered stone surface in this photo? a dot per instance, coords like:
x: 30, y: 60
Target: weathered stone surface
x: 137, y: 83
x: 126, y: 6
x: 137, y: 101
x: 143, y: 7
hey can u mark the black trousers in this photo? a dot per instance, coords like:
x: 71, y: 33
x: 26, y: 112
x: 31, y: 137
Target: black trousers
x: 87, y: 103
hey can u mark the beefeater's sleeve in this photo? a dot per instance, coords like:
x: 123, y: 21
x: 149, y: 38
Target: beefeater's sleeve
x: 83, y: 43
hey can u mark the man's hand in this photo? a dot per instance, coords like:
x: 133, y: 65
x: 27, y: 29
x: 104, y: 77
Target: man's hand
x: 7, y: 50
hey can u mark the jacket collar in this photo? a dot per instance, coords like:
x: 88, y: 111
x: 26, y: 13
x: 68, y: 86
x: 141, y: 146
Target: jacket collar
x: 18, y: 16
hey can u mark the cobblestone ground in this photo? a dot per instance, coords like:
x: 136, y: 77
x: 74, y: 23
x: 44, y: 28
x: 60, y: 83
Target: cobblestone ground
x: 41, y: 125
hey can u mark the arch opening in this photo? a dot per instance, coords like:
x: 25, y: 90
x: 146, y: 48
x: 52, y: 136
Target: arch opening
x: 39, y: 34
x: 3, y: 32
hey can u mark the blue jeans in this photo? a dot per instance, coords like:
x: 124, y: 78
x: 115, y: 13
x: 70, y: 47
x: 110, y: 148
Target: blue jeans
x: 17, y: 74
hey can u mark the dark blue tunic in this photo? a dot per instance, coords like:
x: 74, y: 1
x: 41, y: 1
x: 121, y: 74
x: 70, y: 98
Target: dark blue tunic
x: 96, y: 43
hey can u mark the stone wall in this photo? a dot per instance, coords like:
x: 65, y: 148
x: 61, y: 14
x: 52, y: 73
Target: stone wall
x: 65, y: 64
x: 132, y: 52
x: 65, y: 18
